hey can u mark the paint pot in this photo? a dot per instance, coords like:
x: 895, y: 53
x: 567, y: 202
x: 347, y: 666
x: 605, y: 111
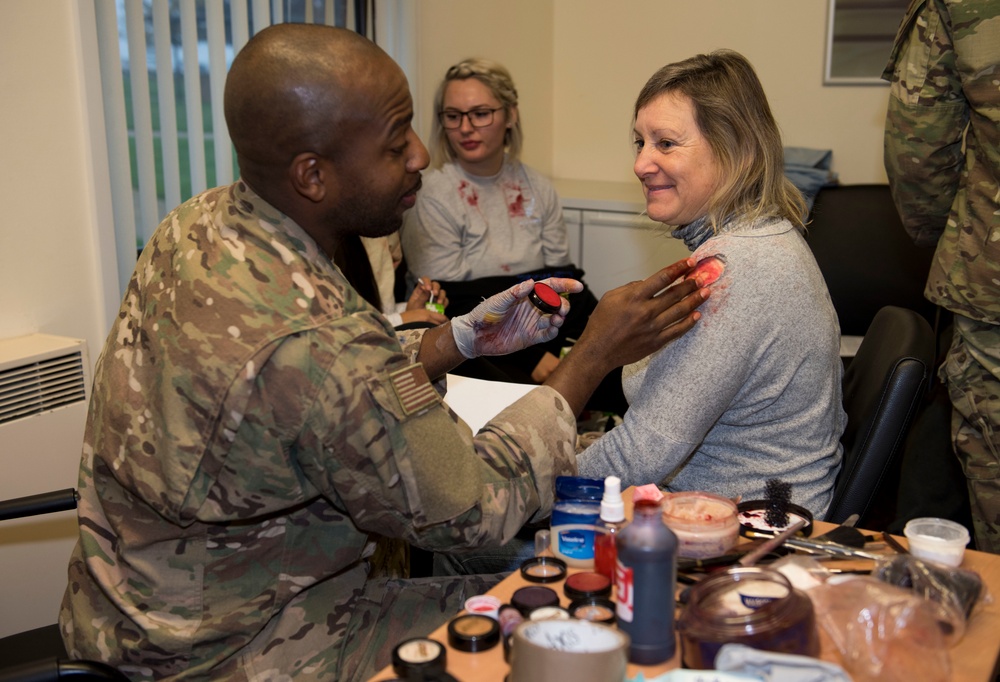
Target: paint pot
x: 705, y: 524
x: 545, y: 298
x: 594, y: 609
x: 509, y: 617
x: 755, y: 606
x: 543, y: 569
x: 419, y: 658
x: 574, y: 517
x: 575, y: 650
x: 527, y: 599
x: 473, y: 633
x: 549, y: 613
x: 585, y: 585
x: 484, y: 605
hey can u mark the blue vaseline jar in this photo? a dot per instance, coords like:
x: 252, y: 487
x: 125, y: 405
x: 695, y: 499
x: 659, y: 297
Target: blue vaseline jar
x: 574, y: 517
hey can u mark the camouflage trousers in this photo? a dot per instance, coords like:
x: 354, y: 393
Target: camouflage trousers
x: 972, y: 373
x: 391, y: 610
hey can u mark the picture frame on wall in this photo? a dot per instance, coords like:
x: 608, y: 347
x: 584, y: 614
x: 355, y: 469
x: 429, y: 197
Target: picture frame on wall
x: 859, y: 39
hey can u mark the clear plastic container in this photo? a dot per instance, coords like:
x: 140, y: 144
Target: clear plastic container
x: 706, y: 525
x: 934, y: 539
x: 755, y: 606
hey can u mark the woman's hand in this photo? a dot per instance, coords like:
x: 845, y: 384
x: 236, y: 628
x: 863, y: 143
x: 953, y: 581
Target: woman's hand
x: 426, y: 290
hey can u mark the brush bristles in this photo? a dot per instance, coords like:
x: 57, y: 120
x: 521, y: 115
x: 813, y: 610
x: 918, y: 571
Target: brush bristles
x: 779, y: 496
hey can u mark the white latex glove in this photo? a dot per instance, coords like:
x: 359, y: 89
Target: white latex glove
x: 507, y: 322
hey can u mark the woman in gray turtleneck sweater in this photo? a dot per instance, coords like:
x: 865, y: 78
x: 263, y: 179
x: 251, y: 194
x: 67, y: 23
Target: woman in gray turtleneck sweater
x: 754, y: 390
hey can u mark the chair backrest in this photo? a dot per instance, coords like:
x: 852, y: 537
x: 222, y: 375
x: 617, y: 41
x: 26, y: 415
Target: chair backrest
x: 865, y: 255
x: 38, y: 655
x: 883, y: 386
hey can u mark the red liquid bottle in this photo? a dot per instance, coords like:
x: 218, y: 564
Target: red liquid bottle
x: 612, y: 520
x: 646, y: 573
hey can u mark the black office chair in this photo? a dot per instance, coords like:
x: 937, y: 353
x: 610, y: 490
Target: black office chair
x: 883, y: 387
x: 865, y: 255
x: 38, y: 655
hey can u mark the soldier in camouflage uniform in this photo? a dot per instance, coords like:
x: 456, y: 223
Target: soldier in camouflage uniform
x: 256, y: 428
x: 942, y: 156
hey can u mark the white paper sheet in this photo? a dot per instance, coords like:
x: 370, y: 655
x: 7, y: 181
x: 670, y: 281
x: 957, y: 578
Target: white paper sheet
x: 477, y: 401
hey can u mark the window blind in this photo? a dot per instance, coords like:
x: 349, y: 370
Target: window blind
x: 163, y: 72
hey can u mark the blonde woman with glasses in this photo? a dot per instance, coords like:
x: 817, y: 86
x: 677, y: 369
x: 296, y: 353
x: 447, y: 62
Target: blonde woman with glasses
x: 484, y: 219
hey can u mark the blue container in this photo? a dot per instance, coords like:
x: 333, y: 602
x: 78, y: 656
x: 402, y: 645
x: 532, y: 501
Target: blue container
x: 575, y: 515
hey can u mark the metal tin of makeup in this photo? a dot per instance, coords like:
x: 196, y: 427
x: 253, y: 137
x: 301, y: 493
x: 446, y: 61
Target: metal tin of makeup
x: 527, y: 599
x: 549, y: 613
x: 473, y: 632
x: 594, y: 609
x: 545, y: 298
x: 484, y: 605
x: 419, y: 658
x: 543, y: 569
x: 587, y: 584
x: 751, y: 515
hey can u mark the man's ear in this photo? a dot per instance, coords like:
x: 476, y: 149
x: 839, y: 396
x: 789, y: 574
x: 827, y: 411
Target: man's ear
x: 309, y: 176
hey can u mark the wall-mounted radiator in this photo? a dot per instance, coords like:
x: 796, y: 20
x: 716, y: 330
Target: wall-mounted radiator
x: 44, y: 389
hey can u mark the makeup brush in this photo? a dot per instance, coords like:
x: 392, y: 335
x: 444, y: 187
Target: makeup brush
x: 750, y: 558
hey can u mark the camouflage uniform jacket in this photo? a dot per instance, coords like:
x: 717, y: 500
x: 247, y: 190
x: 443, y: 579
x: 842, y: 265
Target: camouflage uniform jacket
x: 254, y: 424
x: 942, y: 147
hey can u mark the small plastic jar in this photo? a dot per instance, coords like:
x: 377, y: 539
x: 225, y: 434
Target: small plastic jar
x: 934, y: 539
x: 705, y: 524
x: 755, y: 606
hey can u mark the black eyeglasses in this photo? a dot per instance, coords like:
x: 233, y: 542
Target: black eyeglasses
x: 478, y: 118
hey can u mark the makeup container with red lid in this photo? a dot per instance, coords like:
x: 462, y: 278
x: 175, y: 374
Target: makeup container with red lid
x: 545, y: 298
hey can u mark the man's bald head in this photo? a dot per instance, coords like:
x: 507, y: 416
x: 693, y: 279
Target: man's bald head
x: 291, y: 89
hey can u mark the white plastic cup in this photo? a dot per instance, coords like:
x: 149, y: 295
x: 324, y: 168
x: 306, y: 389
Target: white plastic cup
x: 934, y: 539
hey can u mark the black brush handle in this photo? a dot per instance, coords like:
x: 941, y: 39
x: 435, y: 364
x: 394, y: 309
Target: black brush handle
x: 36, y: 505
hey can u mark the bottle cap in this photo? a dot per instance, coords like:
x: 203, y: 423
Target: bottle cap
x: 612, y: 506
x: 545, y: 298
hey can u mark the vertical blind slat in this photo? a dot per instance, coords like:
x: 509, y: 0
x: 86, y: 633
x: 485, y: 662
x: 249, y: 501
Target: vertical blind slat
x: 192, y: 96
x: 142, y: 119
x: 116, y: 130
x: 239, y: 23
x: 138, y: 210
x: 215, y: 22
x: 261, y: 15
x: 167, y: 104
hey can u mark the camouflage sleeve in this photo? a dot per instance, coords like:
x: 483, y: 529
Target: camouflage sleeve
x: 925, y: 121
x: 383, y: 446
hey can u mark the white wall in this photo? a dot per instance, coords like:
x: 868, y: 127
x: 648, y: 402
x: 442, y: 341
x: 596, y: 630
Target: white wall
x: 57, y: 272
x: 579, y: 65
x: 52, y: 277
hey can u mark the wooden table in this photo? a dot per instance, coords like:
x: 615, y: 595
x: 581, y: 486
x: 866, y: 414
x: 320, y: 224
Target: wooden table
x: 973, y: 659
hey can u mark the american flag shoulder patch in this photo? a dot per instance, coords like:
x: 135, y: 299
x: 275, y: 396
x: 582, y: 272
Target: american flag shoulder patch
x: 413, y: 388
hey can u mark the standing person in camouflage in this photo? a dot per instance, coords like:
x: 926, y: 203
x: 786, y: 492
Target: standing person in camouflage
x: 256, y: 429
x: 942, y: 155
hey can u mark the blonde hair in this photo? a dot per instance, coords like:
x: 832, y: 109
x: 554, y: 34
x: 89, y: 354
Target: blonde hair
x: 497, y: 79
x: 732, y: 113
